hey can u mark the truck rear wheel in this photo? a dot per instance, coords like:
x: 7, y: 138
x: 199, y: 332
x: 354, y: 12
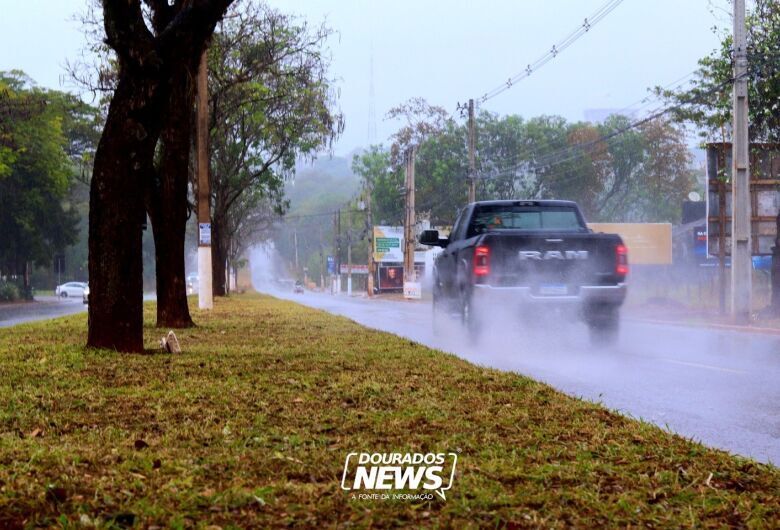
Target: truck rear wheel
x: 604, y: 328
x: 469, y: 319
x: 438, y: 313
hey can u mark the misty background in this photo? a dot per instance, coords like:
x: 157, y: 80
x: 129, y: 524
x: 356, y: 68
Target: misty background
x: 443, y: 51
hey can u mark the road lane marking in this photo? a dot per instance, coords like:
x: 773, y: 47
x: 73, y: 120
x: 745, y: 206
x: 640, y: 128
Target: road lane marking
x: 705, y: 366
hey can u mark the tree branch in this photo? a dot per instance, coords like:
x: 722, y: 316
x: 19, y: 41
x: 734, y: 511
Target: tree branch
x: 126, y: 32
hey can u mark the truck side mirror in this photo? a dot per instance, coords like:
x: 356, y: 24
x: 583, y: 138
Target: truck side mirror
x: 431, y: 239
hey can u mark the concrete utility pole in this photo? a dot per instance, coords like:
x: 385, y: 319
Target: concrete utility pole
x: 741, y: 251
x: 472, y: 154
x: 370, y: 279
x: 349, y: 254
x: 205, y: 294
x: 337, y: 258
x: 409, y: 275
x: 322, y: 262
x: 295, y: 238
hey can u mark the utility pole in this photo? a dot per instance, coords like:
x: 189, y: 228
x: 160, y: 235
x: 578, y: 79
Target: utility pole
x: 295, y: 238
x: 337, y: 260
x: 322, y: 262
x: 349, y: 254
x: 370, y: 280
x: 336, y: 251
x: 741, y: 252
x: 409, y: 220
x: 472, y: 155
x: 205, y: 295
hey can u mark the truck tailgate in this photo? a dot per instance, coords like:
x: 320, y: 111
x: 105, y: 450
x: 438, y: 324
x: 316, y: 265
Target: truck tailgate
x: 555, y: 263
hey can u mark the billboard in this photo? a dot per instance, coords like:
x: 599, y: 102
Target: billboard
x: 764, y: 183
x: 391, y: 278
x: 700, y: 242
x: 388, y: 244
x: 647, y: 243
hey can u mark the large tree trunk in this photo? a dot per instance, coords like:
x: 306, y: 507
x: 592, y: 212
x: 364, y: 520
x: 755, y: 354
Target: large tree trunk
x: 116, y: 210
x: 167, y: 205
x: 218, y: 257
x: 123, y: 167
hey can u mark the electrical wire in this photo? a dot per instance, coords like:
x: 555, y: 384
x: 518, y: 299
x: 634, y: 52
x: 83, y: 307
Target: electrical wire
x: 556, y: 48
x: 575, y: 151
x: 286, y: 218
x: 632, y: 109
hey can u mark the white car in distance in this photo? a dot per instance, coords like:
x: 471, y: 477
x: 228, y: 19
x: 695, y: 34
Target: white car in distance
x: 75, y: 289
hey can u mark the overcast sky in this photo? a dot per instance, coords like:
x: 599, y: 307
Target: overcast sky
x: 445, y: 51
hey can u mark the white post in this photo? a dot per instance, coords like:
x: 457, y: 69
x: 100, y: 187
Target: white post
x: 205, y: 300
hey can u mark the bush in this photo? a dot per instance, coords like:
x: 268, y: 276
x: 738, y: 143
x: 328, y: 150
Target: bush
x: 9, y: 292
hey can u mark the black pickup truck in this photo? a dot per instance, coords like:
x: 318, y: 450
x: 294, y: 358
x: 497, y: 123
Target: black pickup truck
x: 530, y: 259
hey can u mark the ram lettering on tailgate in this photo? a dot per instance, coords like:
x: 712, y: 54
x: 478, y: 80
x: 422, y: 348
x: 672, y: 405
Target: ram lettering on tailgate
x: 553, y: 254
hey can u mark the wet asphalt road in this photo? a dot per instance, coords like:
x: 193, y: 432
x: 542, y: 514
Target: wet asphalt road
x: 721, y: 388
x: 44, y: 307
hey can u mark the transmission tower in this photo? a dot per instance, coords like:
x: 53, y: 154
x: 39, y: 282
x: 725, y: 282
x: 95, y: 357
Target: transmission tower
x: 371, y: 133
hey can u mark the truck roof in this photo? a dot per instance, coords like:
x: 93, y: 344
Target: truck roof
x: 536, y: 202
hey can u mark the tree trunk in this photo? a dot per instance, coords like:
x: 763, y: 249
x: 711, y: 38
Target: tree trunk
x: 116, y: 210
x: 218, y: 257
x: 167, y: 205
x: 123, y: 168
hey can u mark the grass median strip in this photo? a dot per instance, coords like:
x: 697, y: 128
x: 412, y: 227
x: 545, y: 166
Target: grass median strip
x: 251, y: 425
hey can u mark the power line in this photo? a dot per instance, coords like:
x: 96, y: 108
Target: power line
x: 646, y: 102
x: 573, y: 152
x: 557, y: 48
x: 286, y: 218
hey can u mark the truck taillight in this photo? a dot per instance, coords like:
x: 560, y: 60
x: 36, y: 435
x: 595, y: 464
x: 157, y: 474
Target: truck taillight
x: 621, y: 260
x: 481, y: 261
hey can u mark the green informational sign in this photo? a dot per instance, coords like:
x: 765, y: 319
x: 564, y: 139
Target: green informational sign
x: 383, y: 244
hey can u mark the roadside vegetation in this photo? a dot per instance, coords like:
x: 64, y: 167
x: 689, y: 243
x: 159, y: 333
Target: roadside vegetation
x: 250, y: 426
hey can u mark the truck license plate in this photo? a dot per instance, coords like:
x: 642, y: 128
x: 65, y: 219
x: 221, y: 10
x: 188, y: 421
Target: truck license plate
x: 553, y: 289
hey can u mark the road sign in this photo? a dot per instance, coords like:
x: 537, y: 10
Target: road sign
x: 356, y: 269
x: 204, y: 231
x: 412, y: 290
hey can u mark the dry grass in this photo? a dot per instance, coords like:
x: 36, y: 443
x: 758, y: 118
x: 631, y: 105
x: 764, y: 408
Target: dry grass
x: 250, y: 426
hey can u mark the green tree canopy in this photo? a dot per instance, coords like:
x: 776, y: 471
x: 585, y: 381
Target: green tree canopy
x: 42, y: 137
x: 707, y: 102
x: 271, y: 102
x: 614, y: 171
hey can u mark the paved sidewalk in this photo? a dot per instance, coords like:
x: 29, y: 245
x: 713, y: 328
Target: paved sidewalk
x: 675, y: 313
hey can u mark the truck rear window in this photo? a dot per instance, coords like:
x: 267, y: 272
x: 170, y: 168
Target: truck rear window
x: 512, y: 217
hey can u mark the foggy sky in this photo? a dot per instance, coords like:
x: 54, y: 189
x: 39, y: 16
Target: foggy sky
x: 445, y: 51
